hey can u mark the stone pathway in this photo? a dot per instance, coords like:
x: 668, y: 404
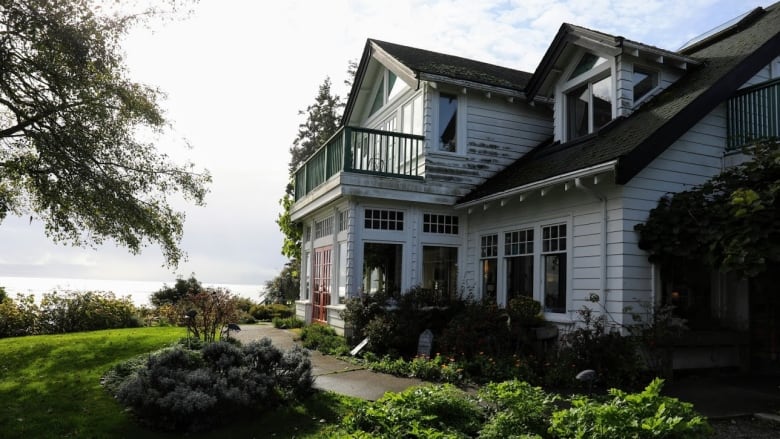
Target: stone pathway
x: 331, y: 373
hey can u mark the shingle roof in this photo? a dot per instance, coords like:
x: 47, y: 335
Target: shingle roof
x: 455, y: 67
x: 728, y: 62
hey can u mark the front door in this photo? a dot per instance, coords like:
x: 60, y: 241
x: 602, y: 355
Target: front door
x: 321, y: 285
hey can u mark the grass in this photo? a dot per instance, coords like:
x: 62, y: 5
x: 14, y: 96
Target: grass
x: 50, y: 387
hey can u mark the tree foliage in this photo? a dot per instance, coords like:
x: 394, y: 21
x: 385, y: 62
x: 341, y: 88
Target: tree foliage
x: 179, y: 290
x: 76, y: 133
x: 285, y: 287
x: 730, y: 223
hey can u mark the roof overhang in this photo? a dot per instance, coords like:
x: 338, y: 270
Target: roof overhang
x: 541, y: 185
x: 571, y: 37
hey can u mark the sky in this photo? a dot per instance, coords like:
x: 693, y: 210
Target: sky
x: 236, y: 73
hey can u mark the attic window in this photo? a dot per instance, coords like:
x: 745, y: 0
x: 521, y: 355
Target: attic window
x: 588, y: 107
x: 587, y: 63
x: 645, y: 80
x: 389, y: 87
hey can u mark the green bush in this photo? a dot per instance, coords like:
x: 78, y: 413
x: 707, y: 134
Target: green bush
x: 324, y: 339
x: 642, y: 415
x: 516, y: 409
x: 288, y: 322
x: 183, y: 390
x: 19, y: 317
x: 437, y: 369
x: 266, y: 313
x: 441, y: 411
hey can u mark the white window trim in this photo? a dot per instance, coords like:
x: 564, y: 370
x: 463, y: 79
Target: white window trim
x: 649, y: 95
x: 460, y: 134
x: 538, y: 294
x: 591, y: 76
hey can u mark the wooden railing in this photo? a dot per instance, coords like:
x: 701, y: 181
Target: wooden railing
x: 364, y: 151
x: 754, y: 114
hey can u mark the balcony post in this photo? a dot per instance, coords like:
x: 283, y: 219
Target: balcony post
x: 347, y: 148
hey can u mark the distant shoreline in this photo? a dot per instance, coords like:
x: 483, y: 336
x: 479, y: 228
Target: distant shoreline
x: 139, y: 291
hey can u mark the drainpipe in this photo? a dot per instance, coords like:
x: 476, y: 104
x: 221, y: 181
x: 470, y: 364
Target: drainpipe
x: 603, y: 277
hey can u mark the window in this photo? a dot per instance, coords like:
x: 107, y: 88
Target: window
x: 321, y: 281
x: 554, y: 267
x: 444, y: 224
x: 440, y: 270
x: 307, y: 234
x: 412, y: 117
x: 489, y: 264
x: 323, y: 228
x: 519, y: 260
x: 448, y: 122
x: 588, y: 97
x: 379, y: 219
x: 389, y: 87
x: 342, y: 271
x: 343, y: 218
x: 382, y: 267
x: 644, y: 80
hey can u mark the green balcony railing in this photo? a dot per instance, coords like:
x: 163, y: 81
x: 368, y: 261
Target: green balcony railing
x: 364, y: 151
x: 754, y: 114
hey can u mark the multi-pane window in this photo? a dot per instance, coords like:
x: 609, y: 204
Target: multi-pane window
x: 519, y: 259
x: 589, y: 96
x: 389, y: 87
x: 343, y: 218
x: 448, y: 122
x: 307, y: 234
x: 381, y: 219
x: 323, y: 228
x: 444, y: 224
x: 489, y: 263
x: 440, y: 270
x: 554, y: 267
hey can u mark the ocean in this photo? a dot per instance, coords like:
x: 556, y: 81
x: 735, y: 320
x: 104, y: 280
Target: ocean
x: 139, y: 291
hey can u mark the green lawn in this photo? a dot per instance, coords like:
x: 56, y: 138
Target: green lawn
x: 50, y: 387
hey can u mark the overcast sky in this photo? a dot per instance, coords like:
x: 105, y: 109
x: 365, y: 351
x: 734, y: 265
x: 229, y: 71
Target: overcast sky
x: 236, y: 73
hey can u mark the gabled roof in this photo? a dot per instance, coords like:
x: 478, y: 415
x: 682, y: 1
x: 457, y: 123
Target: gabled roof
x: 570, y: 36
x: 728, y: 60
x: 439, y: 67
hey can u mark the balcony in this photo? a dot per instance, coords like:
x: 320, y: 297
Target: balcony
x: 361, y: 150
x: 753, y: 114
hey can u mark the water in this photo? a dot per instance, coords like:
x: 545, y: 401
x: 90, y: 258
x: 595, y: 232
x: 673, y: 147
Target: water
x: 139, y: 291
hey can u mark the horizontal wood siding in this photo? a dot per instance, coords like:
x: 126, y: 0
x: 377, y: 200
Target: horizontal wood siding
x: 497, y: 134
x: 690, y: 161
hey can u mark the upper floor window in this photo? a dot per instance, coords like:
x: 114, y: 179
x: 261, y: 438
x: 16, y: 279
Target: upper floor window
x: 445, y: 224
x: 588, y: 96
x: 380, y: 219
x: 448, y: 122
x: 389, y: 87
x: 645, y: 80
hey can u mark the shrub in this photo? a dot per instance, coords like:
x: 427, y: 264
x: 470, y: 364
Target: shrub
x: 643, y: 415
x: 172, y: 295
x: 358, y: 311
x: 208, y: 311
x: 184, y: 390
x: 266, y: 313
x: 437, y: 368
x: 288, y: 322
x: 85, y: 311
x: 595, y: 345
x: 424, y: 411
x: 516, y: 409
x: 324, y: 339
x: 19, y: 317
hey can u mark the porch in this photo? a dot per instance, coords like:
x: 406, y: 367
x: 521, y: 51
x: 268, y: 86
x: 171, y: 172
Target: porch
x: 362, y: 150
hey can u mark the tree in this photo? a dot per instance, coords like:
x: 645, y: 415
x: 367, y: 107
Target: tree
x: 731, y: 223
x: 322, y: 121
x: 286, y: 285
x: 75, y: 148
x: 172, y: 295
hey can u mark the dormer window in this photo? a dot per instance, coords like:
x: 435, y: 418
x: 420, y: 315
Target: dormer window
x: 645, y: 80
x: 588, y: 96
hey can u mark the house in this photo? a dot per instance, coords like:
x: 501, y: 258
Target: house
x: 469, y: 178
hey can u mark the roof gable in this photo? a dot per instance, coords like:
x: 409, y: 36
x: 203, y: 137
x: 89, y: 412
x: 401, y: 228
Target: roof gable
x: 727, y: 62
x: 418, y: 64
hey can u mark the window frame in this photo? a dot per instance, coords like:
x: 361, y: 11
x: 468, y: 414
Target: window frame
x: 588, y: 79
x: 489, y: 241
x: 651, y: 91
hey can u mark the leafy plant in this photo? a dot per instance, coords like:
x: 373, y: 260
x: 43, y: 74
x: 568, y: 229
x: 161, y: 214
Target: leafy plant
x: 642, y: 415
x: 516, y: 409
x: 423, y: 411
x: 324, y: 339
x: 288, y: 323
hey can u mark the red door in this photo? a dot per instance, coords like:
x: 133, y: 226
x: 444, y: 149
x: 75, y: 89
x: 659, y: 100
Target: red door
x: 321, y: 285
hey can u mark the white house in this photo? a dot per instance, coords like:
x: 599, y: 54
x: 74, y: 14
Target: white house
x: 469, y: 178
